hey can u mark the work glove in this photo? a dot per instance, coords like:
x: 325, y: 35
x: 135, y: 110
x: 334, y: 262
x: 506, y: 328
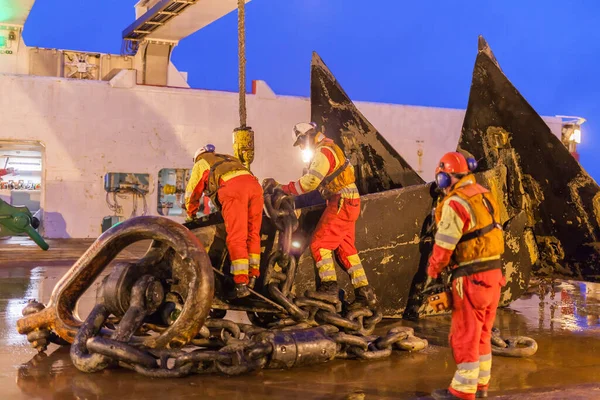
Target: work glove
x: 432, y: 272
x: 270, y: 185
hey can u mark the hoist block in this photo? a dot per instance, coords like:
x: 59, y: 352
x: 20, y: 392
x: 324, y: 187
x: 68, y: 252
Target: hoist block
x: 243, y: 145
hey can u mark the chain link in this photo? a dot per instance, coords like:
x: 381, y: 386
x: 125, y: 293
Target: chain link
x: 514, y: 346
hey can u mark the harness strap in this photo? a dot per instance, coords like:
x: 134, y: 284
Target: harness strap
x: 328, y: 179
x: 224, y: 158
x: 486, y: 229
x: 475, y: 268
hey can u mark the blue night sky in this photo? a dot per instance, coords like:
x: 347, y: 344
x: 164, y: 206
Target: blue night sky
x: 405, y: 52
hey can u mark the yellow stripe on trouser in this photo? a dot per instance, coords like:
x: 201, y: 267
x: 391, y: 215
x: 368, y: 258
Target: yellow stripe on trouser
x: 357, y: 272
x: 465, y: 377
x: 485, y: 369
x: 326, y: 267
x: 239, y: 267
x: 254, y: 263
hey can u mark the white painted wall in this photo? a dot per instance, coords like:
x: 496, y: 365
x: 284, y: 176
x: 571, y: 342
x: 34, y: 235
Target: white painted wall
x: 90, y: 128
x: 16, y: 63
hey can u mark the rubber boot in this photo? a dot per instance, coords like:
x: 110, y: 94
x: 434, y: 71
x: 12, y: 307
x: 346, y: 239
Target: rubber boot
x: 252, y: 282
x: 443, y: 394
x: 328, y: 291
x: 241, y: 290
x: 364, y: 296
x: 481, y: 394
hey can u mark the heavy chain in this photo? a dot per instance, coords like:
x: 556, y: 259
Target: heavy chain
x: 281, y: 269
x: 312, y: 330
x: 222, y: 346
x: 234, y: 349
x: 356, y: 324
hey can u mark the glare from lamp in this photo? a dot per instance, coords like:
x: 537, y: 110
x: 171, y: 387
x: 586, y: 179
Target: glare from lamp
x: 576, y: 136
x: 296, y: 244
x: 307, y: 155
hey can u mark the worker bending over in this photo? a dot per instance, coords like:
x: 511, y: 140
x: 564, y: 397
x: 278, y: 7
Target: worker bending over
x: 468, y: 230
x: 331, y: 173
x: 232, y: 188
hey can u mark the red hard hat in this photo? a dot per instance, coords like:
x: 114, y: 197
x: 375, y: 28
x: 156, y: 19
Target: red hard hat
x: 453, y: 163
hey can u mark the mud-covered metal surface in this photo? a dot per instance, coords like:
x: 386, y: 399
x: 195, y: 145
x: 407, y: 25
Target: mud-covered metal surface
x: 561, y: 200
x: 390, y: 247
x: 550, y: 208
x: 394, y: 240
x: 393, y: 233
x: 389, y: 238
x: 377, y: 164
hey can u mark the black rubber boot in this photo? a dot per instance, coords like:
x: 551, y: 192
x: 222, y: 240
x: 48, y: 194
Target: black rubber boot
x: 481, y: 394
x: 365, y: 296
x: 443, y: 394
x: 241, y: 290
x: 328, y: 291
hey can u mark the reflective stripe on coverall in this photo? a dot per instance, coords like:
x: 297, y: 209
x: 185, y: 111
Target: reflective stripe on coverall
x: 475, y: 297
x: 336, y: 228
x: 241, y: 198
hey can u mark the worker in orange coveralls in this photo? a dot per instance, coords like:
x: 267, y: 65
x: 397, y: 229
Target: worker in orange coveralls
x: 331, y: 173
x: 468, y: 230
x: 6, y: 171
x: 234, y: 189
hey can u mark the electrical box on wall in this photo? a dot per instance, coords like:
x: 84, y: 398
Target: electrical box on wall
x: 123, y: 185
x: 171, y: 190
x: 125, y: 181
x: 172, y: 183
x: 110, y: 221
x: 9, y: 39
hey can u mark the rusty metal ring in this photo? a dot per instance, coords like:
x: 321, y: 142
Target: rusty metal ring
x: 59, y: 314
x: 517, y: 346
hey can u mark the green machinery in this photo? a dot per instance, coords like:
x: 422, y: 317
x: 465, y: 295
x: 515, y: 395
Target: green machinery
x: 18, y: 220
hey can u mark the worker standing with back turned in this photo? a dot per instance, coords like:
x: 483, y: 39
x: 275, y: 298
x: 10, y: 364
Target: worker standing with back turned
x: 331, y: 173
x: 232, y: 188
x: 468, y: 230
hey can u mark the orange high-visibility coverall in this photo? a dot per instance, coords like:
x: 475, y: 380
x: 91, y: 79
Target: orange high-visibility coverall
x: 241, y: 198
x: 475, y: 297
x: 336, y: 228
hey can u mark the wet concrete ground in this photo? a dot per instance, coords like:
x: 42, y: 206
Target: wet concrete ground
x: 564, y: 321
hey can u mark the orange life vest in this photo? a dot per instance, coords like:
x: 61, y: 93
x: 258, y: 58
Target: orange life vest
x: 484, y: 241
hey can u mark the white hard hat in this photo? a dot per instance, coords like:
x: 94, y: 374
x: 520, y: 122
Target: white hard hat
x: 209, y: 148
x: 301, y: 130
